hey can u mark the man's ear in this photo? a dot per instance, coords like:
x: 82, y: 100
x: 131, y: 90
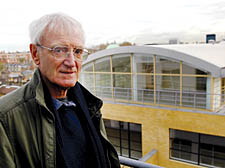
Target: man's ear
x: 34, y: 54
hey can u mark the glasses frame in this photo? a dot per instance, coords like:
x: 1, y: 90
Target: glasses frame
x: 68, y: 52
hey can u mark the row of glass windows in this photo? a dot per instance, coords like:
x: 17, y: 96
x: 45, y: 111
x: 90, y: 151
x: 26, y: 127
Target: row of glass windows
x: 141, y: 88
x: 126, y: 138
x: 196, y: 148
x: 119, y: 77
x: 141, y: 64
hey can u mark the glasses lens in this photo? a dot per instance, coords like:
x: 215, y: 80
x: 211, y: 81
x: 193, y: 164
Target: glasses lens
x: 77, y: 51
x: 63, y: 52
x: 60, y: 52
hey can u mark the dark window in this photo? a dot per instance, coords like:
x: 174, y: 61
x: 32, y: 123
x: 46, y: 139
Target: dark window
x: 196, y: 148
x: 126, y: 138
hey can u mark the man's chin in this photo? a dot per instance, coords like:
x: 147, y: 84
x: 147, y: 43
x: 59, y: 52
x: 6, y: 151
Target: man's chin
x: 67, y: 85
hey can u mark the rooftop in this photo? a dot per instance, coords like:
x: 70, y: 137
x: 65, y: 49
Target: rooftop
x: 212, y: 53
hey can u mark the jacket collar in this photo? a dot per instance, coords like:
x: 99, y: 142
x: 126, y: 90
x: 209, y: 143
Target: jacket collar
x: 84, y: 97
x: 37, y: 87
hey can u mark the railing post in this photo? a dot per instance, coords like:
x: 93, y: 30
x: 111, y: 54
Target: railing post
x: 194, y: 100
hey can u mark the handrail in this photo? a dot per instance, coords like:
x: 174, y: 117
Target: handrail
x: 192, y: 99
x: 136, y: 163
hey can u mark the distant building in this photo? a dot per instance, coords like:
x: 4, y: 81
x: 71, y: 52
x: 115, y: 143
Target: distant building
x: 173, y: 41
x: 167, y: 101
x: 6, y: 89
x: 210, y: 38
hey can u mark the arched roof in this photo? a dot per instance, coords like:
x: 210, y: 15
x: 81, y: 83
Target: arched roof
x: 196, y: 60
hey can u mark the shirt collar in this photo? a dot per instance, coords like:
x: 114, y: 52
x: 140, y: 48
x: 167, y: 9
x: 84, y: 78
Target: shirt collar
x: 57, y: 103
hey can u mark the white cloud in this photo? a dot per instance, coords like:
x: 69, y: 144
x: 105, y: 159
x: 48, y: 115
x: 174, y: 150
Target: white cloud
x: 142, y: 21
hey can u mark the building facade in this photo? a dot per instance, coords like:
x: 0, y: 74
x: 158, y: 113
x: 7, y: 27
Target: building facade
x: 165, y: 101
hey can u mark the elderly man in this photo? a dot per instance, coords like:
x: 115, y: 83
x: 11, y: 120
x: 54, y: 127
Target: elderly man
x: 53, y: 121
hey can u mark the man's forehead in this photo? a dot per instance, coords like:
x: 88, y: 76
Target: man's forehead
x: 66, y: 37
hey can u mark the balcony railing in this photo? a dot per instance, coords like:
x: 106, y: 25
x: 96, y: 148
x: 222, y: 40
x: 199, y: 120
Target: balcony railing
x: 136, y: 163
x: 191, y: 99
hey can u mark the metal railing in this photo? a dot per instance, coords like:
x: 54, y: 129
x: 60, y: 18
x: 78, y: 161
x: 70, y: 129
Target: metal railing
x: 136, y: 163
x: 192, y: 99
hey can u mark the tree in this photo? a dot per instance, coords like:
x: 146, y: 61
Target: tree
x: 125, y: 43
x: 2, y: 66
x: 21, y: 60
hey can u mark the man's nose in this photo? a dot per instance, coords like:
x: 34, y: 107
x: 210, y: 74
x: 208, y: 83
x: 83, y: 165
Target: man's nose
x: 70, y: 60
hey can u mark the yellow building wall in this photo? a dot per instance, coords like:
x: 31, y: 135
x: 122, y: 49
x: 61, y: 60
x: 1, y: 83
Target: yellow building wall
x: 156, y: 124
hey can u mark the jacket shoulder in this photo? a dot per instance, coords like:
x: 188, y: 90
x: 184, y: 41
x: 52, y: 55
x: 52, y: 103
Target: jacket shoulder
x: 15, y: 98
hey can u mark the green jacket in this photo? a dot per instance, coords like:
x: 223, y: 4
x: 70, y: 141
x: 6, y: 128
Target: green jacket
x: 27, y: 128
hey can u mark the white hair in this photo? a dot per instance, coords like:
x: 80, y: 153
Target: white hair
x: 54, y: 22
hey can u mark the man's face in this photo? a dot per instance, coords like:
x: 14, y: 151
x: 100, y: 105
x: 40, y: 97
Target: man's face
x: 63, y: 72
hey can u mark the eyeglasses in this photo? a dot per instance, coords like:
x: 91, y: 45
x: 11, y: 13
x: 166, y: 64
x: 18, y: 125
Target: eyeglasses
x: 61, y: 52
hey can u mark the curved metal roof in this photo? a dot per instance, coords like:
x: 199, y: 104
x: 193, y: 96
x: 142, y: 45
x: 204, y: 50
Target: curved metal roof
x: 210, y: 58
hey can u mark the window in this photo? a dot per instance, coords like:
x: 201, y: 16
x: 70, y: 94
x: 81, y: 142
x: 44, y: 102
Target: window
x: 196, y: 148
x: 167, y: 66
x: 121, y: 63
x: 191, y: 70
x: 223, y: 90
x: 103, y: 85
x: 102, y: 65
x: 122, y: 86
x: 143, y: 63
x: 85, y: 79
x: 88, y: 68
x: 126, y: 138
x: 194, y: 92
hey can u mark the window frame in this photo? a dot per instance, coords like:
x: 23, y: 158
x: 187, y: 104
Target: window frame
x: 199, y: 150
x: 125, y: 142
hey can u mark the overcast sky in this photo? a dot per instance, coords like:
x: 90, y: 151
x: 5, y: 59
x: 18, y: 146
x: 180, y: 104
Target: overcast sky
x: 138, y: 21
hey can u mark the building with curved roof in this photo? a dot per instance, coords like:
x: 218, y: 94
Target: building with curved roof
x: 164, y: 98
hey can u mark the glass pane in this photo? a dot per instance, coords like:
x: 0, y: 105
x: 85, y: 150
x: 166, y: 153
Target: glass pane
x: 135, y: 145
x: 135, y: 136
x: 194, y: 92
x: 112, y: 132
x: 213, y: 140
x: 122, y: 86
x: 174, y: 153
x: 143, y: 88
x: 114, y: 140
x: 144, y: 81
x: 143, y: 63
x: 213, y: 149
x: 191, y: 136
x: 168, y: 90
x: 87, y: 67
x: 189, y: 157
x: 184, y: 145
x: 223, y: 91
x: 206, y: 150
x: 205, y: 160
x: 191, y: 70
x: 103, y: 85
x: 102, y: 65
x: 163, y: 65
x: 136, y: 154
x: 126, y: 137
x: 86, y: 80
x: 219, y: 152
x: 125, y: 152
x: 219, y: 162
x: 121, y: 63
